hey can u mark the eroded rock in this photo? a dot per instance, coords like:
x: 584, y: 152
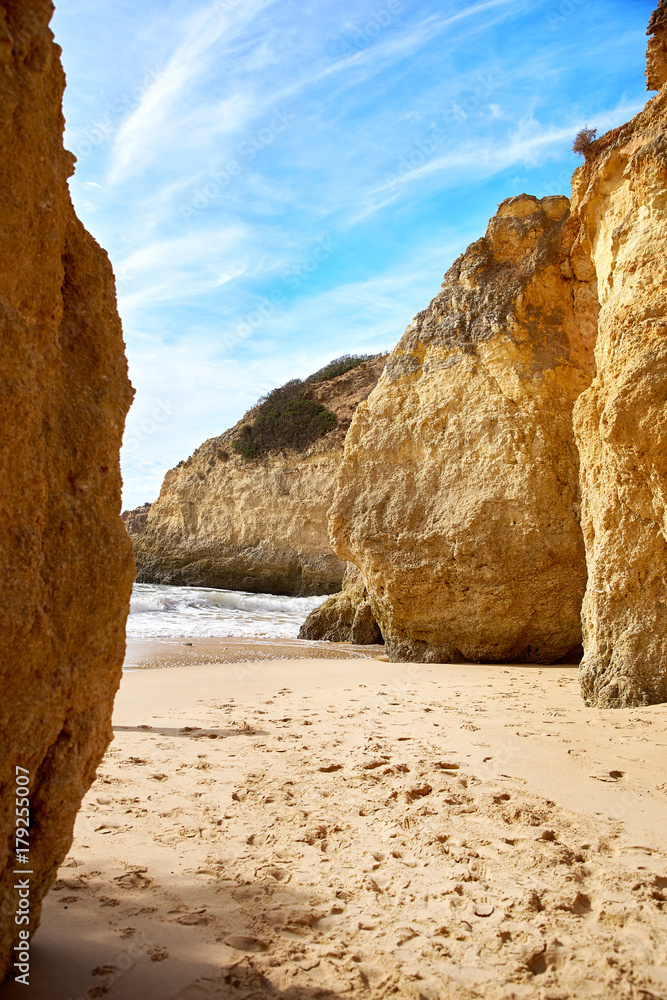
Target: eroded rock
x: 66, y: 561
x: 258, y: 525
x: 620, y: 195
x: 344, y: 617
x: 458, y: 496
x: 656, y: 53
x: 135, y: 520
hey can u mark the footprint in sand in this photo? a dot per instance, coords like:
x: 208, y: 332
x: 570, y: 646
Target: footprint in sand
x: 418, y: 792
x: 104, y: 970
x: 157, y: 953
x: 240, y: 942
x: 197, y: 918
x: 135, y: 879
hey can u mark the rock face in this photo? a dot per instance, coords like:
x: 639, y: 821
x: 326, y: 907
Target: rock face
x: 344, y: 617
x: 620, y: 196
x: 135, y: 520
x: 258, y: 525
x: 656, y: 54
x: 66, y: 561
x: 458, y: 495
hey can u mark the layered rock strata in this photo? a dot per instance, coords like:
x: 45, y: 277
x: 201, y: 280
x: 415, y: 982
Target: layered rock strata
x: 257, y: 525
x: 66, y: 561
x: 458, y: 493
x: 620, y: 196
x: 344, y: 617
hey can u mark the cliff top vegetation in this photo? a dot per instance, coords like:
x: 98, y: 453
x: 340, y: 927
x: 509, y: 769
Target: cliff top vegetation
x: 290, y: 417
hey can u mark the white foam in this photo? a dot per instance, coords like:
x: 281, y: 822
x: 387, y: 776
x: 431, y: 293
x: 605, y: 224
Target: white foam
x: 160, y: 611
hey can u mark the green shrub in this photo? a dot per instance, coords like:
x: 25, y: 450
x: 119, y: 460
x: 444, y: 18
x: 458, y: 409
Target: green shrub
x: 287, y: 417
x: 339, y: 366
x: 244, y: 444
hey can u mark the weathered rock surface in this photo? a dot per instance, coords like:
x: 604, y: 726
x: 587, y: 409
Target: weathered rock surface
x: 620, y: 195
x: 656, y: 53
x: 458, y: 493
x: 135, y: 520
x: 67, y: 565
x: 344, y: 617
x: 258, y: 525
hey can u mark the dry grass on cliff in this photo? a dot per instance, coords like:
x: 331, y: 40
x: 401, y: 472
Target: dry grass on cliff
x: 289, y: 417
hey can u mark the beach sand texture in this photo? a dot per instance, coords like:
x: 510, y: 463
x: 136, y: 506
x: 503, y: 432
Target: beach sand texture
x: 324, y: 828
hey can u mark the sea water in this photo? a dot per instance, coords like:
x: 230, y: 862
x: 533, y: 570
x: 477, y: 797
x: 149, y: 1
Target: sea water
x: 158, y: 611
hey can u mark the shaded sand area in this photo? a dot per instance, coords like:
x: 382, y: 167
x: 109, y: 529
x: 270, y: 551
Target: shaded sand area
x: 150, y: 654
x: 323, y: 828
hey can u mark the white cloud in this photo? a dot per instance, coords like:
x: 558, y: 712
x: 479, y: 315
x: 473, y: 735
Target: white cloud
x: 530, y: 144
x: 374, y: 152
x: 140, y: 135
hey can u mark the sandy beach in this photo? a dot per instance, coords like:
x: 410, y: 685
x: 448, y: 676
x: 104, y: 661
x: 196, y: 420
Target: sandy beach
x: 314, y: 828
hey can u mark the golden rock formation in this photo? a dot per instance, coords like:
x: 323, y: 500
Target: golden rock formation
x: 344, y: 617
x: 258, y: 525
x: 620, y: 196
x: 67, y: 564
x: 458, y: 493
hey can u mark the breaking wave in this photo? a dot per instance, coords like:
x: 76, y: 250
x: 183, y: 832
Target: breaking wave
x: 161, y: 611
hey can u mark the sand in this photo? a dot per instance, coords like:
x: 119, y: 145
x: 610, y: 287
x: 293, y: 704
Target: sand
x: 349, y: 827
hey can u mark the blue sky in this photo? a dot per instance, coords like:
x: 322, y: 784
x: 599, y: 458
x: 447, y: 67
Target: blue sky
x: 280, y: 182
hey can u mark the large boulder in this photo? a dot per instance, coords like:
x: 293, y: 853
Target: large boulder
x: 67, y: 564
x: 344, y: 617
x: 259, y: 523
x: 620, y: 196
x: 458, y: 494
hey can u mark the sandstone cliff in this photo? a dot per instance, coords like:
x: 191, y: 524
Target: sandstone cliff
x: 135, y: 520
x: 458, y: 496
x: 258, y: 525
x: 620, y: 196
x: 66, y: 561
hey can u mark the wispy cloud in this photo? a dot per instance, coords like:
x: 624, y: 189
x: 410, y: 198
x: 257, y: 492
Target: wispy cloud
x: 139, y: 135
x: 530, y: 144
x: 226, y: 139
